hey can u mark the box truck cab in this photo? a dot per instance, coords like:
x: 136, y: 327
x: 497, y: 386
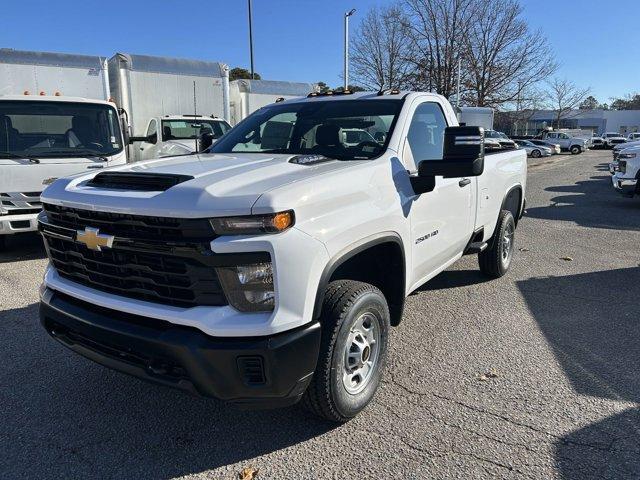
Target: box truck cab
x: 177, y: 135
x: 55, y: 121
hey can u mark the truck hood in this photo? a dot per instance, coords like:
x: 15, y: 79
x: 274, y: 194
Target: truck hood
x: 624, y: 146
x: 21, y: 175
x: 223, y: 184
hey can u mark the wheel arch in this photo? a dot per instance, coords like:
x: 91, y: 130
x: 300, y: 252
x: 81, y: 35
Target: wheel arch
x: 390, y: 278
x: 514, y: 202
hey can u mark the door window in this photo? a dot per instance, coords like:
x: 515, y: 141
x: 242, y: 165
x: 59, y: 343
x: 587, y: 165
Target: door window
x: 425, y: 138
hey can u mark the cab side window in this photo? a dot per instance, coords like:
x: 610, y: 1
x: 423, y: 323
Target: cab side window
x: 425, y: 138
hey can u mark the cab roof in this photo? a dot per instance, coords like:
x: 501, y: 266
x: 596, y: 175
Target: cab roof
x: 393, y: 95
x: 54, y: 98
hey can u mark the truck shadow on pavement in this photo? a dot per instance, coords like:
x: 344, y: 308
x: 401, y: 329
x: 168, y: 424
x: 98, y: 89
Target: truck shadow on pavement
x: 66, y: 417
x: 453, y: 279
x: 599, y: 350
x: 20, y: 247
x: 591, y: 203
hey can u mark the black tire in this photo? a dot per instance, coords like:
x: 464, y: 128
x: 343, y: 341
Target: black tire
x: 345, y: 302
x: 496, y: 259
x: 536, y: 153
x: 3, y: 242
x: 575, y: 150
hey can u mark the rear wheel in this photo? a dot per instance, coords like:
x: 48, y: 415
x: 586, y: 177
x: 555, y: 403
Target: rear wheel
x: 575, y: 150
x: 496, y: 260
x: 355, y: 328
x: 535, y: 153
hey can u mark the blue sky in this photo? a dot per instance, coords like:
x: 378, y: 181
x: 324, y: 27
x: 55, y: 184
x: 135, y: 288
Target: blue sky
x: 301, y: 40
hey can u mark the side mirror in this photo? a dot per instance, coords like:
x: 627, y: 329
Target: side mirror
x: 205, y: 141
x: 463, y: 154
x: 150, y: 139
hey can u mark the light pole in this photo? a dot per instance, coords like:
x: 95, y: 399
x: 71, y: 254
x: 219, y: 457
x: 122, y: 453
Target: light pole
x: 346, y: 46
x: 251, y: 39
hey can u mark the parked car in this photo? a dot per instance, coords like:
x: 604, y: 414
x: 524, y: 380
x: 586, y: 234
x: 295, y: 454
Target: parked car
x: 567, y: 143
x: 633, y: 136
x: 502, y: 138
x: 627, y: 172
x: 555, y: 147
x: 273, y: 268
x: 611, y: 139
x: 533, y: 150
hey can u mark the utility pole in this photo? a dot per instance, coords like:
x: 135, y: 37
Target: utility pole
x: 251, y: 39
x: 346, y: 46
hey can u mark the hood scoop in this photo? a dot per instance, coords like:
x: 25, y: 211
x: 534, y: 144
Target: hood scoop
x: 309, y: 159
x: 137, y: 181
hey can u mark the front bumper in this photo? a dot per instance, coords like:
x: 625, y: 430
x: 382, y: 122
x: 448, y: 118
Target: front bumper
x: 268, y: 371
x: 626, y: 186
x: 10, y: 224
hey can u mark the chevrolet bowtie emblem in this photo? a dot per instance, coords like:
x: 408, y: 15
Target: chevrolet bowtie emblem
x: 93, y: 239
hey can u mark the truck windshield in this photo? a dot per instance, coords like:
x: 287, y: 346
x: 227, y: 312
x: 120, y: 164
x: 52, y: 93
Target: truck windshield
x: 187, y: 129
x: 345, y: 129
x: 58, y: 129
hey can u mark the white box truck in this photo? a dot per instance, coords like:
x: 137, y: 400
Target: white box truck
x: 55, y: 120
x: 161, y: 95
x: 247, y: 96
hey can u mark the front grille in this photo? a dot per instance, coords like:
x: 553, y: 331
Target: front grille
x: 19, y: 203
x: 142, y: 264
x: 132, y: 226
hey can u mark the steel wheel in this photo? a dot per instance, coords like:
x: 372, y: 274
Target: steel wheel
x: 361, y: 353
x: 507, y: 243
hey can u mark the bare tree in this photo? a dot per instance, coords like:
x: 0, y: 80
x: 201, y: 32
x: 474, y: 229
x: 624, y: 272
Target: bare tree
x: 563, y: 96
x: 502, y: 58
x: 379, y: 50
x: 436, y: 30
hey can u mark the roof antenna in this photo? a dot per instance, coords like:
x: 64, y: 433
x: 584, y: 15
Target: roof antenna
x: 195, y: 111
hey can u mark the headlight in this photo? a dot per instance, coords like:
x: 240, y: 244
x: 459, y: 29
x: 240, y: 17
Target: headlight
x: 627, y: 155
x: 253, y: 224
x: 249, y: 288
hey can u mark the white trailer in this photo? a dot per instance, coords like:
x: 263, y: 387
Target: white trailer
x: 148, y: 87
x: 476, y: 117
x: 55, y: 120
x: 247, y: 96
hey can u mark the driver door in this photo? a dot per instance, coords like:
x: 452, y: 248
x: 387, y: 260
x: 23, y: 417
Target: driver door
x: 441, y: 219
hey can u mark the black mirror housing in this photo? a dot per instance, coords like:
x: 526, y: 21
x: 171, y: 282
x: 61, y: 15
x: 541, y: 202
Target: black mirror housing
x: 463, y: 154
x: 205, y: 141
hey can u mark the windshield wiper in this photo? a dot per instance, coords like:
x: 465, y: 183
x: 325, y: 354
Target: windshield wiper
x: 78, y: 153
x: 19, y: 157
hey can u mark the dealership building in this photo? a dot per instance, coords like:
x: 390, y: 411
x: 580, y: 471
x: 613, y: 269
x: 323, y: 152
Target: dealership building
x: 598, y: 121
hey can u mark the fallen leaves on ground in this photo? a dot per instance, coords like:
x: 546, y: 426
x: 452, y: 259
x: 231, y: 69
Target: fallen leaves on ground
x: 248, y: 473
x: 566, y: 259
x: 488, y: 375
x: 523, y: 249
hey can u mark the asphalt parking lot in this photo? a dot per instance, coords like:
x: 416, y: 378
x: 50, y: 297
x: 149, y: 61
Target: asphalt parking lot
x: 535, y: 375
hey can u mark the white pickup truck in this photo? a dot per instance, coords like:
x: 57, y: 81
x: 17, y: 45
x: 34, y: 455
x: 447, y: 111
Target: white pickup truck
x: 567, y: 143
x: 626, y: 171
x: 272, y: 268
x: 176, y: 135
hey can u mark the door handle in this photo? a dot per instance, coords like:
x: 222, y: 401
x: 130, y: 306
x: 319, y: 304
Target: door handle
x: 464, y: 182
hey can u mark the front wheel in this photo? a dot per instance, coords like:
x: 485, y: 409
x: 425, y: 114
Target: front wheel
x: 575, y: 150
x: 496, y: 260
x: 536, y: 154
x: 355, y: 329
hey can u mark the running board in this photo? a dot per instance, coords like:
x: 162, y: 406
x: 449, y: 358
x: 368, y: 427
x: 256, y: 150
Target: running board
x: 476, y: 247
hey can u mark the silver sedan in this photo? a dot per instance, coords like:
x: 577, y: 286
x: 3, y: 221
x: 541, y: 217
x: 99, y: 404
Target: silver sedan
x: 534, y: 151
